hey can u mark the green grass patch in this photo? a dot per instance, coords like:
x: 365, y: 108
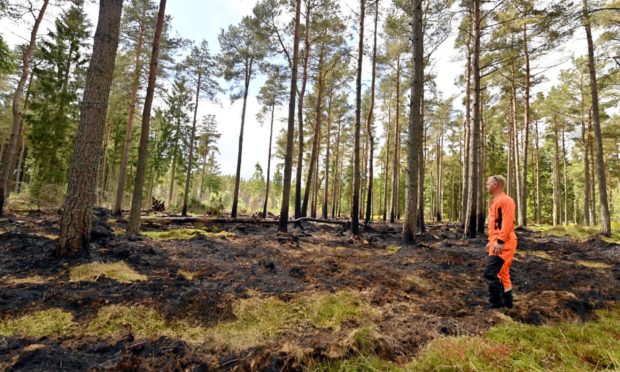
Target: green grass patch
x: 513, y: 347
x: 51, y: 322
x: 579, y: 232
x: 185, y: 234
x: 257, y: 321
x: 118, y: 271
x: 35, y: 279
x: 260, y: 319
x: 145, y: 322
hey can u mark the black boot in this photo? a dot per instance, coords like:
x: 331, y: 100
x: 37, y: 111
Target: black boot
x: 495, y: 297
x: 507, y: 297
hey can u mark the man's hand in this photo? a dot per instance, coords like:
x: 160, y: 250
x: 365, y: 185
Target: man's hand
x: 497, y: 248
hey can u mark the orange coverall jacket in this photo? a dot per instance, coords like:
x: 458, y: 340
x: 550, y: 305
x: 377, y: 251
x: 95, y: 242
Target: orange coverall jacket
x: 502, y: 230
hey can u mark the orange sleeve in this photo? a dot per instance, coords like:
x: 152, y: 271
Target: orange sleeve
x: 508, y: 216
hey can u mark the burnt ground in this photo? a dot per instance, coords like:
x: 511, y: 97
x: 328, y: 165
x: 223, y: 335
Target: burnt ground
x: 555, y: 280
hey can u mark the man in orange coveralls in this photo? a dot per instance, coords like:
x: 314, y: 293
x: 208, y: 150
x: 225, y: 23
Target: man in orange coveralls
x: 502, y: 244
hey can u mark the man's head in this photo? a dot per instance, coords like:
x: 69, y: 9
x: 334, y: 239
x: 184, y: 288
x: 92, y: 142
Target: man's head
x: 496, y: 184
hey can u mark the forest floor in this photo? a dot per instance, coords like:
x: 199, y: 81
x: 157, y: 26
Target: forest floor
x: 245, y: 297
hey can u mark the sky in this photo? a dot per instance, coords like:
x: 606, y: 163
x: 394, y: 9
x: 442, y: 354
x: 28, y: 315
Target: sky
x: 204, y: 19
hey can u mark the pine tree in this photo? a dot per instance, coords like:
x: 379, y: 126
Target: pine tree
x: 54, y: 107
x: 76, y: 220
x: 200, y: 68
x: 137, y: 23
x: 271, y: 94
x: 136, y: 200
x: 8, y: 156
x: 243, y: 47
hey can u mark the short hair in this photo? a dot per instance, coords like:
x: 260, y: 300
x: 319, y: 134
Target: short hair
x: 501, y: 180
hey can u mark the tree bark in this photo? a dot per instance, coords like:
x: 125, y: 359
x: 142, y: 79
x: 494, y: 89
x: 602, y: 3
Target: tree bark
x: 396, y: 165
x: 556, y: 176
x: 337, y: 173
x: 11, y: 150
x: 387, y: 164
x: 466, y: 134
x: 120, y: 189
x: 472, y: 195
x: 596, y: 123
x: 565, y: 179
x: 415, y: 126
x: 191, y: 145
x: 300, y: 114
x: 482, y: 170
x: 369, y: 127
x: 248, y: 76
x: 273, y: 108
x: 515, y: 146
x: 136, y: 201
x: 316, y: 138
x: 324, y: 213
x: 355, y: 205
x: 526, y: 140
x: 76, y: 220
x: 288, y: 159
x: 538, y: 205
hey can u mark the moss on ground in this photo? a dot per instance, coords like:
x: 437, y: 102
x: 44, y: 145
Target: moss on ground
x: 185, y: 234
x: 118, y: 271
x: 52, y: 322
x: 512, y: 346
x: 258, y: 320
x: 579, y: 232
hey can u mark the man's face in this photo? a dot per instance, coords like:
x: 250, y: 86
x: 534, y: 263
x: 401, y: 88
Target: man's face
x: 491, y: 185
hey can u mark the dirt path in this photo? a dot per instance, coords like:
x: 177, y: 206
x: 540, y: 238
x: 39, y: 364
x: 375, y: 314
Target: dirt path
x: 419, y: 293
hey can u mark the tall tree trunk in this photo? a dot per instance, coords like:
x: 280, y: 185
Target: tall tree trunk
x: 466, y: 132
x: 416, y: 129
x: 369, y: 127
x: 396, y: 165
x: 103, y: 164
x: 596, y: 122
x: 300, y: 114
x: 136, y: 200
x: 135, y: 83
x: 472, y: 195
x: 13, y: 143
x: 190, y: 161
x: 481, y: 213
x: 76, y: 220
x: 421, y: 167
x: 538, y: 205
x: 315, y: 189
x: 386, y: 168
x: 337, y: 173
x: 515, y: 145
x: 204, y: 170
x: 586, y: 165
x: 565, y: 179
x: 556, y: 176
x: 324, y: 213
x: 288, y: 158
x: 248, y: 77
x: 175, y: 154
x: 364, y: 161
x: 273, y: 109
x: 526, y: 139
x: 316, y: 140
x: 355, y: 205
x: 593, y: 216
